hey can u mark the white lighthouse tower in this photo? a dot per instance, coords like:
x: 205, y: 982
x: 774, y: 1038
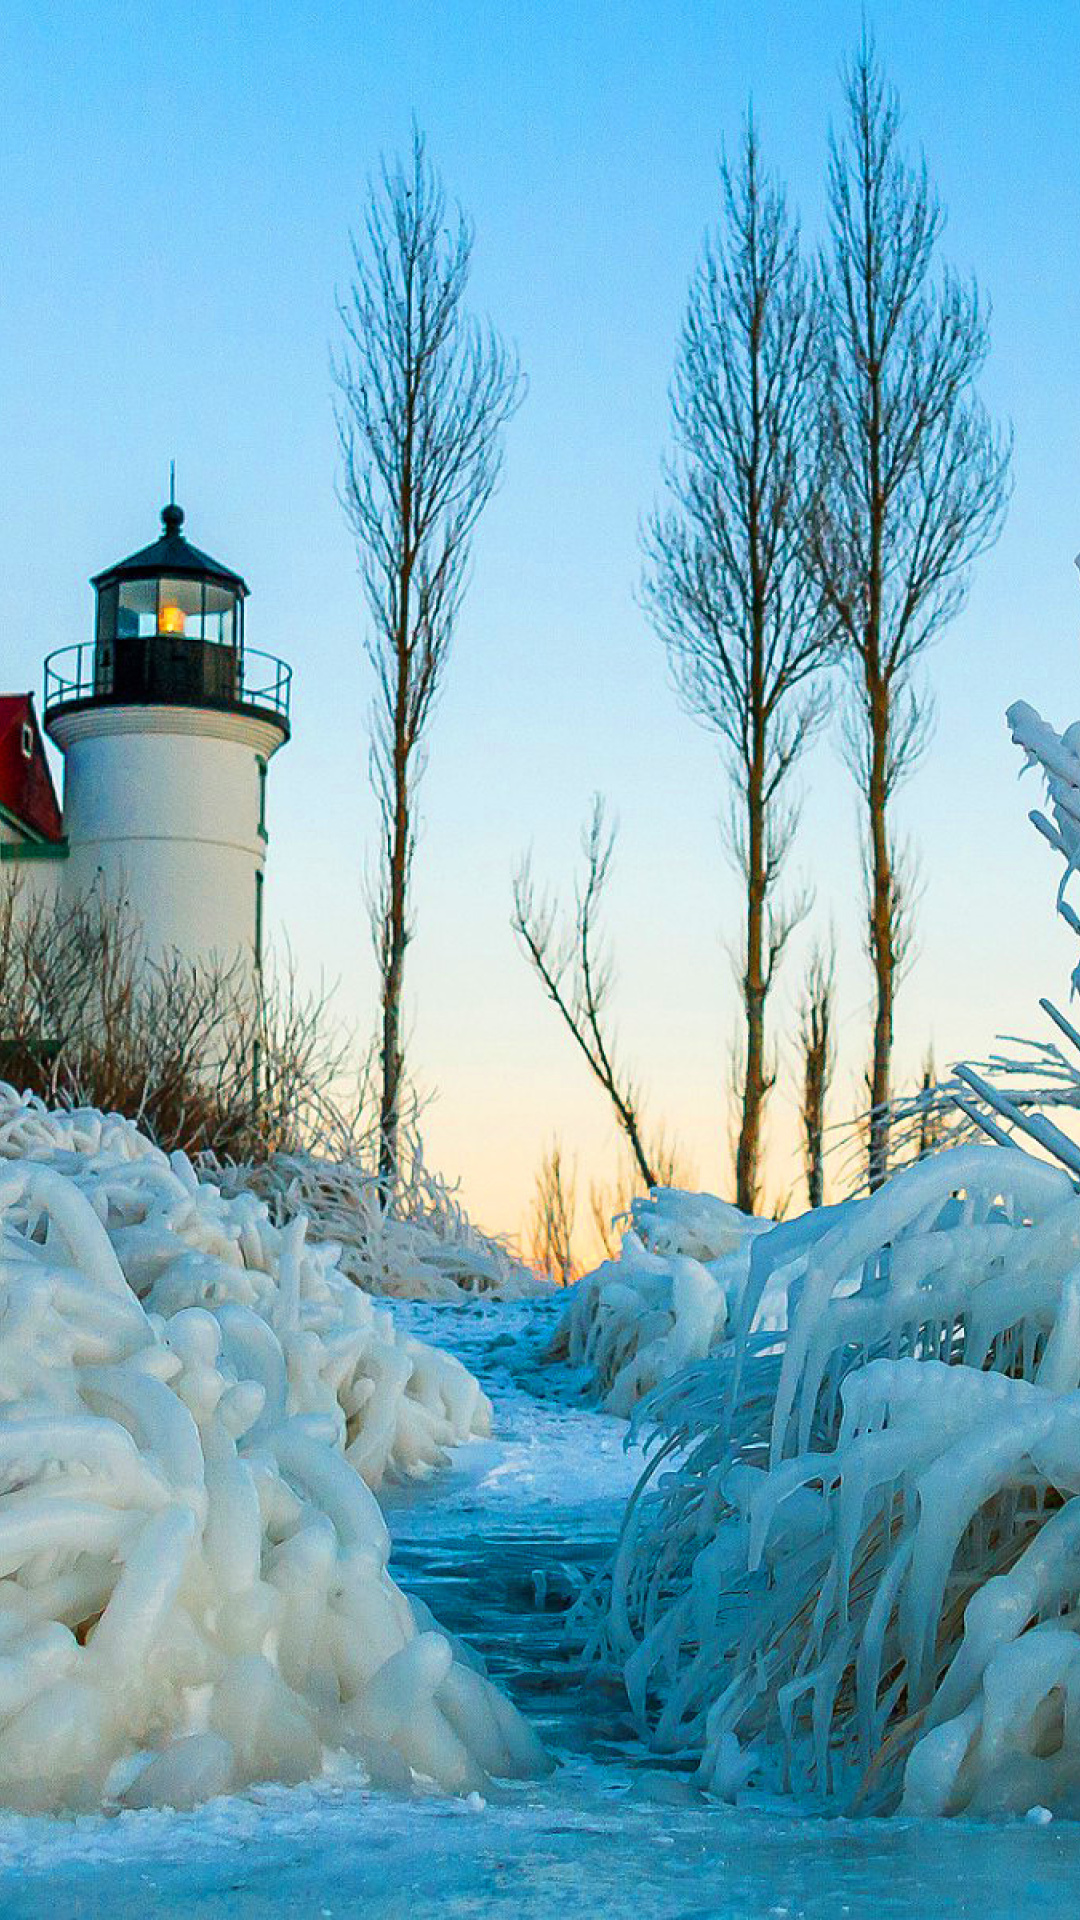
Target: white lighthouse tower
x: 167, y: 723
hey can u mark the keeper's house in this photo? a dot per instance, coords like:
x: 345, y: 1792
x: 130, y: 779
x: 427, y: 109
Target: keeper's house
x: 167, y: 722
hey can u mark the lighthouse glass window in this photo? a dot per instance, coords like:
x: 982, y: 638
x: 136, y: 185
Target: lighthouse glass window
x: 179, y: 609
x: 219, y: 616
x: 136, y: 613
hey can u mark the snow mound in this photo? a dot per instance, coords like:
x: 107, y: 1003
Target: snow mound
x: 665, y: 1302
x: 432, y: 1253
x: 194, y: 1591
x: 182, y: 1243
x: 852, y: 1570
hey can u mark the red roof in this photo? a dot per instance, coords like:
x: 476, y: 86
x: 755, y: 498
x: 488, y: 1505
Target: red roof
x: 27, y: 793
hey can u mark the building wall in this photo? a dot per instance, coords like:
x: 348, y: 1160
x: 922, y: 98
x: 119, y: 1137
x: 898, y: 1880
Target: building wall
x: 162, y: 809
x: 36, y: 871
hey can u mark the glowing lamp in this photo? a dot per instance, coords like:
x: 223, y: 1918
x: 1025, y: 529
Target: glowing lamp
x: 171, y: 620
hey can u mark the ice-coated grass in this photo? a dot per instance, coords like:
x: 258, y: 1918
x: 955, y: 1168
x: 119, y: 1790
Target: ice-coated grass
x: 850, y: 1572
x: 421, y: 1247
x: 194, y: 1406
x: 665, y: 1302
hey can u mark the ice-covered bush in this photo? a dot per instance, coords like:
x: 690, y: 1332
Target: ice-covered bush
x: 194, y: 1591
x: 665, y: 1302
x: 421, y: 1247
x: 183, y: 1243
x: 697, y: 1225
x: 789, y: 1602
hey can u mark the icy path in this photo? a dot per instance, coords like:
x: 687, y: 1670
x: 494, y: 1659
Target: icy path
x: 603, y: 1837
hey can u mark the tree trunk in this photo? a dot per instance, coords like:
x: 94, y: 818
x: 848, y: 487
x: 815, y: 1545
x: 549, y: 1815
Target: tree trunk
x: 393, y: 978
x: 755, y: 988
x: 815, y: 1172
x: 395, y: 931
x: 882, y: 947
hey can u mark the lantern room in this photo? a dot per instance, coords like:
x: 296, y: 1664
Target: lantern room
x: 170, y: 622
x: 169, y: 629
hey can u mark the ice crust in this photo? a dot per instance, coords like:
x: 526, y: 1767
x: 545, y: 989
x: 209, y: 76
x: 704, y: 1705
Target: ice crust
x: 665, y: 1302
x: 194, y: 1407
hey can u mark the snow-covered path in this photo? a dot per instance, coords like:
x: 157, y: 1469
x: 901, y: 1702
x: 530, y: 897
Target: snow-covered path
x: 607, y: 1835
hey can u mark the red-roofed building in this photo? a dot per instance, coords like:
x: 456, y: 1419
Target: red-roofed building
x: 29, y: 810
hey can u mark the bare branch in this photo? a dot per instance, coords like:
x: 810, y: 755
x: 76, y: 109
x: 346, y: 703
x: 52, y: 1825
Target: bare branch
x: 554, y: 1209
x: 576, y: 974
x: 205, y: 1057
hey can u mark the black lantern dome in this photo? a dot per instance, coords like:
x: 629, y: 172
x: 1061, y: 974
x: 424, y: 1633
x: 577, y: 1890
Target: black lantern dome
x: 172, y: 554
x: 169, y: 630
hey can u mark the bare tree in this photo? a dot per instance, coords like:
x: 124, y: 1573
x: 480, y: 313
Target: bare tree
x: 727, y: 585
x: 424, y: 391
x: 554, y: 1210
x: 817, y: 1046
x: 572, y: 965
x: 915, y: 486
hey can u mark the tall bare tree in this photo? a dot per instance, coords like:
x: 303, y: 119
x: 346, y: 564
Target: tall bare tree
x: 575, y: 971
x: 916, y: 481
x: 817, y: 1045
x: 727, y: 585
x: 424, y: 391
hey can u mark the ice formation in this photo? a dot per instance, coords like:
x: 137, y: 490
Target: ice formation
x: 182, y: 1243
x: 852, y: 1569
x: 431, y: 1251
x: 194, y: 1591
x: 665, y: 1302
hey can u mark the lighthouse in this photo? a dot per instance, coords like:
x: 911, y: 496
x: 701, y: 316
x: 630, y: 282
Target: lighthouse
x: 167, y: 722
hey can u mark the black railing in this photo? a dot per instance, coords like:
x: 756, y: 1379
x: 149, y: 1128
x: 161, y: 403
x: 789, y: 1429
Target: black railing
x: 168, y: 670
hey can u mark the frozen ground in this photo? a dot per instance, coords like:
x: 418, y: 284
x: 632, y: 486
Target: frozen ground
x: 608, y: 1835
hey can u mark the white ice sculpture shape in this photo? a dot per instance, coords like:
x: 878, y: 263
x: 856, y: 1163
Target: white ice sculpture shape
x: 432, y: 1253
x: 664, y: 1303
x: 183, y: 1243
x: 194, y: 1591
x: 790, y: 1584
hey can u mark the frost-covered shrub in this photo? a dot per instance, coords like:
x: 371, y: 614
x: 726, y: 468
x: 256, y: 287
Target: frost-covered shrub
x: 665, y: 1302
x: 194, y: 1591
x: 423, y: 1247
x: 852, y: 1569
x: 183, y: 1243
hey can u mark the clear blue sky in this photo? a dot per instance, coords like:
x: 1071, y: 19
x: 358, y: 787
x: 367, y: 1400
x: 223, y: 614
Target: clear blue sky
x: 178, y: 185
